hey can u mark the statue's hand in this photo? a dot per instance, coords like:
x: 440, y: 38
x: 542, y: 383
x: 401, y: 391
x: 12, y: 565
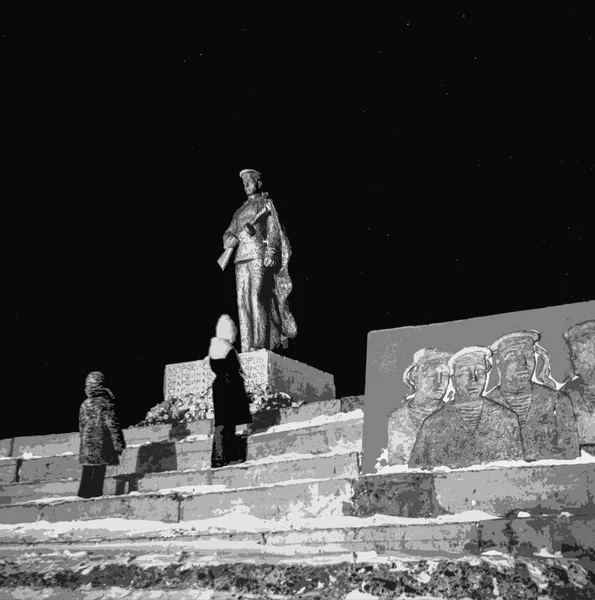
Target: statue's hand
x: 231, y: 242
x: 269, y: 261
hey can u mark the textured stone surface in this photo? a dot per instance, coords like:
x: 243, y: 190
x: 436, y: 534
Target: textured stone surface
x: 50, y: 468
x: 309, y: 411
x: 338, y: 465
x: 572, y: 536
x: 499, y: 491
x: 266, y: 575
x: 150, y: 507
x: 6, y: 447
x: 295, y: 500
x: 46, y: 445
x: 318, y: 439
x: 23, y: 513
x: 59, y: 443
x: 349, y: 403
x: 299, y: 380
x: 8, y: 470
x: 21, y: 492
x: 400, y: 495
x: 171, y: 455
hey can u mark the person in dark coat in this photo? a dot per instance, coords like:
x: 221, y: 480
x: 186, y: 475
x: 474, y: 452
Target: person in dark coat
x: 231, y: 404
x: 102, y: 439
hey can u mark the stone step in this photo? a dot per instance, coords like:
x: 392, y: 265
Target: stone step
x: 60, y: 443
x: 565, y: 486
x: 307, y: 498
x: 301, y: 437
x: 453, y: 536
x: 248, y: 474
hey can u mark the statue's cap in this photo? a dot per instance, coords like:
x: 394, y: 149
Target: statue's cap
x: 515, y: 338
x: 246, y: 171
x: 430, y: 355
x: 477, y: 354
x: 584, y: 330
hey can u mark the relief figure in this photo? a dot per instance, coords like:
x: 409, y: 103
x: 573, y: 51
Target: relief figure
x: 427, y: 379
x: 470, y: 429
x: 581, y: 386
x: 546, y: 416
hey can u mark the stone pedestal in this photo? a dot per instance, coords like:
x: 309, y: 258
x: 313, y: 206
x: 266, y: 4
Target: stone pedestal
x: 266, y: 373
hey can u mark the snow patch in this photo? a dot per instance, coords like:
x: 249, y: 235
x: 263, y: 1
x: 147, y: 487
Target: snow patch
x: 584, y: 458
x: 320, y: 420
x: 234, y: 522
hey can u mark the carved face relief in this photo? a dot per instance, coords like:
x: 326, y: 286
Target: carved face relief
x: 583, y: 358
x: 432, y: 379
x: 469, y: 377
x: 517, y: 364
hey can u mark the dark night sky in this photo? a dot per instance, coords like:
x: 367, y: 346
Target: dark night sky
x: 427, y: 167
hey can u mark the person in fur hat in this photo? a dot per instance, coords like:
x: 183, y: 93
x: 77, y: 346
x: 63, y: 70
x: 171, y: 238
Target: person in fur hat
x: 231, y: 403
x: 102, y: 439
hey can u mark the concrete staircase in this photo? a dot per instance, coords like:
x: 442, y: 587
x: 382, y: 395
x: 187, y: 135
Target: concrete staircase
x: 299, y: 499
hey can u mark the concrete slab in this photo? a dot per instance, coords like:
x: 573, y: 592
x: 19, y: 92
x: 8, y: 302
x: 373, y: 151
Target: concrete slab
x: 50, y: 468
x: 6, y: 446
x: 552, y: 488
x: 295, y: 500
x: 398, y: 495
x: 53, y: 444
x: 157, y: 507
x: 8, y: 470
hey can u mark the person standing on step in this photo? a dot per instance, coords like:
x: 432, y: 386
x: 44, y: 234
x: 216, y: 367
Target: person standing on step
x: 102, y: 439
x: 231, y: 403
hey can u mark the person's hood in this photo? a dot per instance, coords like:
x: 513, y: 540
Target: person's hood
x: 219, y: 348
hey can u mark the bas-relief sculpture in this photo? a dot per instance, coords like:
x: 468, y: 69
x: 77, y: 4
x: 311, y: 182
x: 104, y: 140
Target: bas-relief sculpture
x: 581, y: 386
x: 262, y: 253
x: 470, y: 429
x: 525, y: 416
x: 546, y: 416
x: 427, y: 378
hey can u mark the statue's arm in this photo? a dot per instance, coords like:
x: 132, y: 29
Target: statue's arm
x: 230, y: 239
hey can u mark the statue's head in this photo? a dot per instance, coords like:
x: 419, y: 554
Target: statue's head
x: 94, y: 380
x: 226, y: 329
x: 581, y: 342
x: 469, y: 369
x: 252, y: 181
x: 428, y: 377
x: 515, y: 357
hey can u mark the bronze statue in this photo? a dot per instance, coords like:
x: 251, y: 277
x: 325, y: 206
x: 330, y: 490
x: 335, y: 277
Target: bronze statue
x: 546, y: 416
x: 581, y: 387
x: 427, y: 379
x: 262, y: 253
x: 470, y: 429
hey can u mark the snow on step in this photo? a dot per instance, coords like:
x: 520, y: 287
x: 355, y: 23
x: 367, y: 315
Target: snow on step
x: 57, y: 444
x: 254, y: 473
x: 288, y: 500
x: 316, y: 436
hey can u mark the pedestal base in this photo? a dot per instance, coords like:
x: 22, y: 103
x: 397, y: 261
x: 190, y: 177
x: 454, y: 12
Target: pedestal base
x: 267, y: 376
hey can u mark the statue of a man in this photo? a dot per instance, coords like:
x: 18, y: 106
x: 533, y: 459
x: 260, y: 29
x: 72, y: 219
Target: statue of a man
x: 427, y: 378
x: 470, y: 429
x: 581, y: 388
x: 546, y: 415
x: 263, y: 284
